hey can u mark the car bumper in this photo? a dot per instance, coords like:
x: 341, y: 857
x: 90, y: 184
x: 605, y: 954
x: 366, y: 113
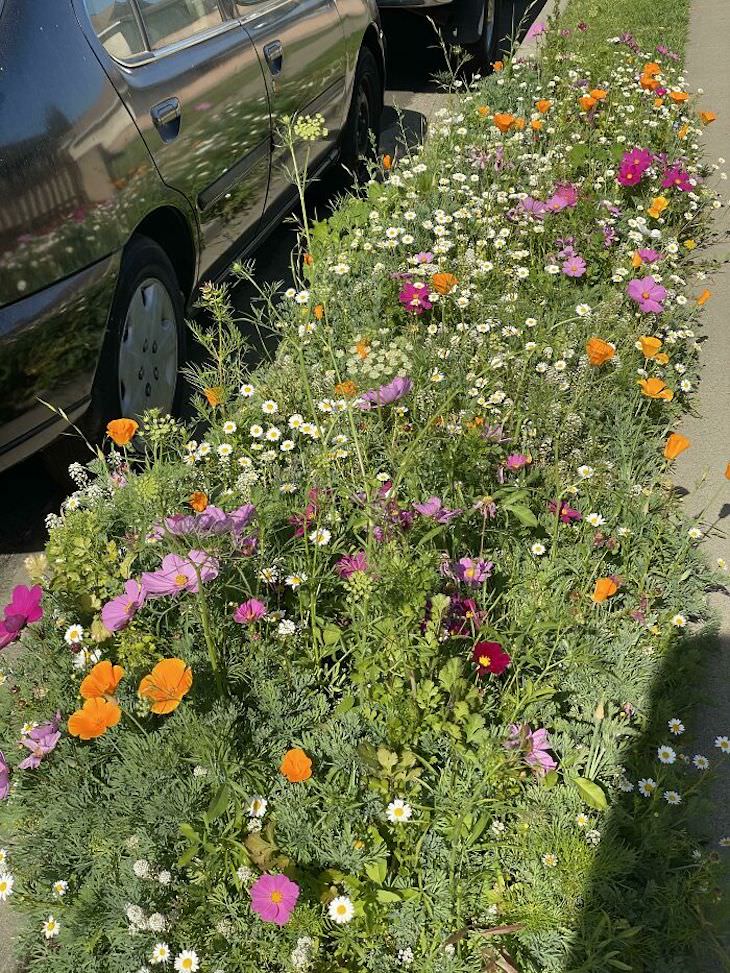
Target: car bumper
x: 412, y: 4
x: 49, y: 347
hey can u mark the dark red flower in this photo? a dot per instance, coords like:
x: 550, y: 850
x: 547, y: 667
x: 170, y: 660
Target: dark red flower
x: 490, y: 657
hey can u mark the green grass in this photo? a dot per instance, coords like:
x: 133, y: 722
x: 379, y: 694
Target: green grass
x: 651, y: 23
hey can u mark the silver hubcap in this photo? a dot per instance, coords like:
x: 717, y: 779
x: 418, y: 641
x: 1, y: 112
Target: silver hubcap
x: 148, y: 351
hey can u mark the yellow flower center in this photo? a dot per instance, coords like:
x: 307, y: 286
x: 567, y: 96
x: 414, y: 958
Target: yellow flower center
x: 276, y: 897
x: 485, y: 661
x: 645, y: 295
x: 341, y: 909
x: 180, y: 580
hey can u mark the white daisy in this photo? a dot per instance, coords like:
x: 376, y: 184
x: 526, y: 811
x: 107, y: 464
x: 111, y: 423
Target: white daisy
x: 257, y: 807
x: 723, y: 743
x: 582, y: 820
x: 59, y: 888
x: 595, y: 520
x: 672, y: 797
x: 700, y: 762
x: 647, y: 786
x: 6, y: 885
x: 295, y: 581
x: 160, y: 954
x: 341, y: 909
x: 320, y: 537
x: 74, y: 634
x: 585, y: 472
x: 679, y: 621
x: 229, y: 427
x: 538, y: 549
x: 187, y: 961
x: 676, y: 726
x: 51, y: 927
x: 269, y: 408
x: 549, y: 860
x: 666, y: 755
x: 398, y: 812
x: 247, y: 390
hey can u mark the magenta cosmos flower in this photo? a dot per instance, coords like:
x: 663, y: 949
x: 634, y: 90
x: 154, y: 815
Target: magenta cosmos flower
x: 119, y: 612
x: 386, y: 394
x: 249, y: 611
x: 516, y: 461
x: 564, y: 197
x: 566, y: 513
x: 677, y: 178
x: 350, y: 564
x: 648, y: 294
x: 435, y: 510
x: 414, y: 297
x: 23, y: 609
x: 273, y: 897
x: 533, y: 745
x: 4, y: 777
x: 633, y: 166
x: 178, y: 574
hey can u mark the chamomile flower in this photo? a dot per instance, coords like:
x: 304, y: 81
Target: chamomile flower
x: 723, y: 743
x: 647, y: 786
x: 269, y: 407
x: 51, y: 927
x: 398, y: 812
x: 187, y: 961
x: 74, y: 634
x: 295, y: 581
x: 6, y: 885
x: 257, y: 806
x: 59, y: 888
x: 676, y: 726
x: 320, y: 537
x: 229, y: 427
x: 595, y: 520
x: 160, y: 954
x: 700, y: 762
x: 694, y: 533
x: 672, y: 797
x: 584, y: 310
x: 666, y: 755
x: 341, y: 910
x: 549, y: 860
x: 585, y: 472
x: 247, y: 390
x: 582, y: 820
x: 256, y: 431
x: 538, y: 549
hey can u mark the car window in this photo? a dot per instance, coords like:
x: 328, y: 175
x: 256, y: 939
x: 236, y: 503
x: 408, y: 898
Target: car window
x: 116, y: 24
x: 170, y: 21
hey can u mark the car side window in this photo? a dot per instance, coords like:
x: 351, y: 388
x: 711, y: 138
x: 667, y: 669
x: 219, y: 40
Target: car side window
x: 117, y: 27
x: 170, y: 21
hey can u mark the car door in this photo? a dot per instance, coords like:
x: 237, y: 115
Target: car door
x: 302, y: 48
x: 200, y: 101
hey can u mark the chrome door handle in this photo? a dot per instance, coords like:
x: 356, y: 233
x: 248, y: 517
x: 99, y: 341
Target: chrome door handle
x: 274, y: 54
x: 166, y: 118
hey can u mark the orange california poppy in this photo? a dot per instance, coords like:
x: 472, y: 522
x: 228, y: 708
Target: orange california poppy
x: 604, y: 588
x: 483, y: 110
x: 707, y: 117
x: 543, y: 105
x: 586, y: 102
x: 648, y: 82
x: 678, y: 96
x: 503, y: 121
x: 102, y: 680
x: 362, y: 348
x: 682, y: 133
x: 498, y: 65
x: 655, y: 388
x: 94, y: 718
x: 520, y: 123
x: 661, y: 358
x: 727, y: 472
x: 443, y: 283
x: 122, y: 431
x: 650, y: 345
x: 658, y: 102
x: 536, y: 124
x: 651, y: 68
x: 319, y: 311
x: 676, y: 443
x: 704, y: 297
x: 658, y: 205
x: 347, y: 389
x: 387, y: 162
x: 308, y: 260
x: 296, y: 765
x: 166, y: 685
x: 198, y: 501
x: 599, y: 351
x: 214, y: 396
x: 598, y: 93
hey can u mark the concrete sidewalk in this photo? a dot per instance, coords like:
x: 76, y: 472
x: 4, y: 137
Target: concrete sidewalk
x: 701, y: 468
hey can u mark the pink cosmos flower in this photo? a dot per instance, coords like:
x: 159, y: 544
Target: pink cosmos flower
x: 536, y: 30
x: 535, y: 207
x: 633, y: 166
x: 350, y: 564
x: 434, y: 509
x: 649, y: 256
x: 4, y: 777
x: 414, y: 297
x: 677, y: 178
x: 386, y: 394
x: 473, y: 571
x: 648, y: 294
x: 273, y: 897
x: 574, y: 267
x: 178, y: 574
x: 23, y: 609
x: 249, y: 611
x: 41, y: 740
x: 119, y: 612
x: 533, y: 745
x: 515, y: 461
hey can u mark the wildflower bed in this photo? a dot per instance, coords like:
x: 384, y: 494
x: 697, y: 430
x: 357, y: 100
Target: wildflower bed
x: 381, y: 669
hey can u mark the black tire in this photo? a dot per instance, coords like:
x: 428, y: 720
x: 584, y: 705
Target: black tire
x: 362, y: 130
x: 143, y: 261
x: 495, y: 28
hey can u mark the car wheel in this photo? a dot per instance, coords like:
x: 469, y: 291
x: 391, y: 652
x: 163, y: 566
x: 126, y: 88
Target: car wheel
x: 144, y: 346
x: 485, y: 51
x: 362, y: 131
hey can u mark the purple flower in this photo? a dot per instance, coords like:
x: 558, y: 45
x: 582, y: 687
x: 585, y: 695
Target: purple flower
x: 609, y: 236
x: 350, y: 564
x: 273, y: 897
x: 41, y: 740
x: 473, y: 572
x: 537, y: 29
x: 414, y: 297
x: 535, y: 207
x: 249, y: 611
x: 178, y: 574
x: 648, y: 294
x: 677, y: 177
x: 533, y: 745
x: 515, y: 461
x: 424, y: 257
x: 386, y: 394
x: 119, y: 612
x: 23, y: 608
x: 648, y: 255
x: 434, y: 509
x: 574, y: 267
x: 463, y: 617
x: 4, y: 777
x: 566, y: 514
x: 241, y: 518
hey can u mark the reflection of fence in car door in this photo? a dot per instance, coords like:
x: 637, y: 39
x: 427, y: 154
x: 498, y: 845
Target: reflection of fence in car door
x: 302, y: 48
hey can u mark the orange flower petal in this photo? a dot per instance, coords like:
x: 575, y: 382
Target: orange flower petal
x: 94, y: 718
x: 166, y: 685
x: 102, y: 680
x: 676, y: 443
x: 296, y: 765
x: 122, y: 431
